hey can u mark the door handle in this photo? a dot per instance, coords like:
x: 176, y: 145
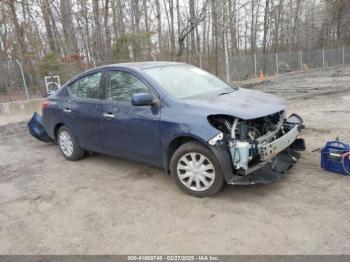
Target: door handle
x: 108, y: 115
x: 67, y: 110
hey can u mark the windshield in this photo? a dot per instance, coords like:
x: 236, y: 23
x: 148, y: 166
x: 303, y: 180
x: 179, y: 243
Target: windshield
x: 182, y: 81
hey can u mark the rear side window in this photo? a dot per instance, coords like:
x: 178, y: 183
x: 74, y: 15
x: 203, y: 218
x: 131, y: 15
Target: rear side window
x: 86, y: 87
x: 123, y: 85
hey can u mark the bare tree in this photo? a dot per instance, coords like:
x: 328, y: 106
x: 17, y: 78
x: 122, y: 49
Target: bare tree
x: 68, y: 28
x: 172, y: 28
x: 266, y: 25
x: 214, y: 34
x: 207, y: 33
x: 18, y: 29
x: 295, y: 25
x: 108, y: 38
x: 159, y: 25
x: 192, y: 24
x: 98, y: 45
x: 45, y: 8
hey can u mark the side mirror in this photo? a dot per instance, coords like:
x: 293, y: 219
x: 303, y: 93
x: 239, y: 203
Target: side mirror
x: 142, y: 99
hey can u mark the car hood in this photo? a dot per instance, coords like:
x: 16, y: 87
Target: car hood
x: 242, y: 103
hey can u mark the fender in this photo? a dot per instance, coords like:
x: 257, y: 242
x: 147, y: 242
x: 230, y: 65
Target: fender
x: 223, y: 156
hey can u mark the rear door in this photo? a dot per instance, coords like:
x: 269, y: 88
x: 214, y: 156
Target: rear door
x: 82, y: 111
x: 127, y: 130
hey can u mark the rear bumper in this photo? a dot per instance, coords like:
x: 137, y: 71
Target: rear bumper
x: 37, y: 129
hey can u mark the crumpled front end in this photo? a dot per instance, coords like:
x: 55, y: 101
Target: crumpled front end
x: 261, y: 149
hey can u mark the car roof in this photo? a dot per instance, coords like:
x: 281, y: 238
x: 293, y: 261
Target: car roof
x: 130, y: 65
x: 142, y: 65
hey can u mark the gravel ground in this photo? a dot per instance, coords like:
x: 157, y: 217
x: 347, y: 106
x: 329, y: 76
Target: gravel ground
x: 105, y: 205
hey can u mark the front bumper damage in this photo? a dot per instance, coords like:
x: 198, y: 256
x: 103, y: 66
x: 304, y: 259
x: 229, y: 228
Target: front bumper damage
x: 272, y: 149
x: 270, y: 172
x: 276, y: 155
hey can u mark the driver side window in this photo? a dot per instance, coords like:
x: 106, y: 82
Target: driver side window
x: 123, y: 85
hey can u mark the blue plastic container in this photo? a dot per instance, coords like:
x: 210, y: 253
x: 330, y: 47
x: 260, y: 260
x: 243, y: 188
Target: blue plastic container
x: 332, y: 157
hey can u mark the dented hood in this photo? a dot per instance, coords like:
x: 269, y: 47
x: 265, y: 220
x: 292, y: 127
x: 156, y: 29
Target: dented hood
x: 242, y: 103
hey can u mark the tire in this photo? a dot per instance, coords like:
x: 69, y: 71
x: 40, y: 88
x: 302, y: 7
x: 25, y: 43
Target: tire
x: 198, y: 158
x: 68, y: 145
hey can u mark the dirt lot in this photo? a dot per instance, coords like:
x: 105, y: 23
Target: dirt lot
x: 104, y: 205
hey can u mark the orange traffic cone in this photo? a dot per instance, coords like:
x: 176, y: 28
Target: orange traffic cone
x: 261, y: 76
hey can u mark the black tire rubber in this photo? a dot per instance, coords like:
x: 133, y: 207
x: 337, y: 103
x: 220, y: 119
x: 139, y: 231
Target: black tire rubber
x: 78, y: 152
x: 197, y: 147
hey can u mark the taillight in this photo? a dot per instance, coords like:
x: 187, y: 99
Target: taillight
x: 44, y: 104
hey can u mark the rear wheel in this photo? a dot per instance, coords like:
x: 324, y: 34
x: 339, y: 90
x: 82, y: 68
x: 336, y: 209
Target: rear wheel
x: 68, y: 145
x: 196, y: 170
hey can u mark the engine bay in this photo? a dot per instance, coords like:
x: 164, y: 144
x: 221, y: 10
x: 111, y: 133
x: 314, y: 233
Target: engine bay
x: 254, y: 142
x: 247, y: 129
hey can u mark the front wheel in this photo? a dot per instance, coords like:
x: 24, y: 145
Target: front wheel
x: 68, y: 145
x: 196, y: 170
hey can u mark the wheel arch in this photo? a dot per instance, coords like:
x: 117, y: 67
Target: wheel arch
x: 221, y: 153
x: 176, y: 143
x: 55, y: 131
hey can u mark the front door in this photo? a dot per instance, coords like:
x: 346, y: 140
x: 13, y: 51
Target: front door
x: 127, y: 130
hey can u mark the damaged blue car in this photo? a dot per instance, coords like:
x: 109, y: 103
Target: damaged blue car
x: 200, y: 129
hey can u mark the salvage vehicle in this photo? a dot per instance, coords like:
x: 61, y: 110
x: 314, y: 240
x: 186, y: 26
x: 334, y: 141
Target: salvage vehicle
x: 200, y: 129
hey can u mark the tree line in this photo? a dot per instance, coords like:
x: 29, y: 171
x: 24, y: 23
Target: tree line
x: 203, y: 32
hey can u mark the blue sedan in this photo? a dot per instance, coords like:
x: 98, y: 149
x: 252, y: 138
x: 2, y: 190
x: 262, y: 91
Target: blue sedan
x: 200, y: 129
